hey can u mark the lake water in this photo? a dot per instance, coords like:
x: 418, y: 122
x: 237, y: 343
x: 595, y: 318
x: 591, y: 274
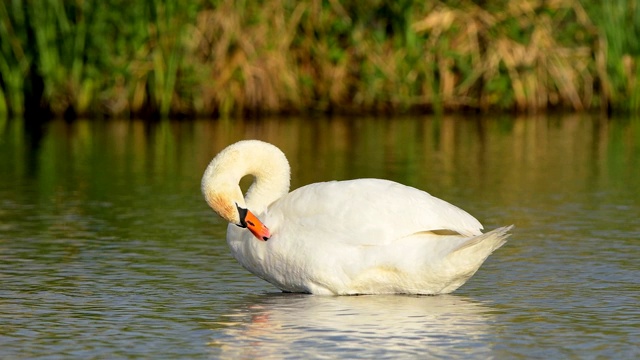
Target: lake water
x: 107, y: 249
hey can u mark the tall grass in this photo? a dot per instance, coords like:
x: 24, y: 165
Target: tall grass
x: 619, y: 25
x: 528, y: 55
x: 223, y: 57
x: 91, y: 57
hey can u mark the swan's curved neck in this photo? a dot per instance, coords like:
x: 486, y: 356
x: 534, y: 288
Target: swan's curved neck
x: 271, y: 174
x: 265, y: 162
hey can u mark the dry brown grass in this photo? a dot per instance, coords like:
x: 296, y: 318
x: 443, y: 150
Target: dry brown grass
x: 542, y: 71
x: 281, y: 59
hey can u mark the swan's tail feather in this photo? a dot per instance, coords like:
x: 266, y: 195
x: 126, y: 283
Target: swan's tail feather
x: 491, y: 240
x: 467, y: 258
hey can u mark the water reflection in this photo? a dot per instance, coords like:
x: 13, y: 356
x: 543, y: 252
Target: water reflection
x: 451, y: 153
x: 285, y: 325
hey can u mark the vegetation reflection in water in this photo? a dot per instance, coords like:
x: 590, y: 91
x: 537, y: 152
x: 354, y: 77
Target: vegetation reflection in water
x: 107, y: 247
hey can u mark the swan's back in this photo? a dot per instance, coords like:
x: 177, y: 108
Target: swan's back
x: 373, y: 211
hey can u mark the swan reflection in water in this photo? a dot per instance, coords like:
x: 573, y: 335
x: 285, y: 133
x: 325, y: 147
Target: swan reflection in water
x: 281, y: 325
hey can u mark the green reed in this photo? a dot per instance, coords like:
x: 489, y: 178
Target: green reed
x: 619, y: 24
x: 91, y: 57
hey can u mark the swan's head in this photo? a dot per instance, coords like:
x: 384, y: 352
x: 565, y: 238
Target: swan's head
x: 228, y: 202
x: 221, y: 189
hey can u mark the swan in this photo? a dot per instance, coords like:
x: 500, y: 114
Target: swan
x: 363, y: 236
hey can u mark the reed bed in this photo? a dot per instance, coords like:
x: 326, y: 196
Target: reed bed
x: 618, y: 22
x: 223, y: 57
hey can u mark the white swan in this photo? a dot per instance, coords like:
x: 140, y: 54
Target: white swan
x: 365, y: 236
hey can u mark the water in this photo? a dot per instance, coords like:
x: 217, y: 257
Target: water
x: 107, y: 249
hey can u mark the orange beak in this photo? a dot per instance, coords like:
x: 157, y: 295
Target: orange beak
x: 257, y: 228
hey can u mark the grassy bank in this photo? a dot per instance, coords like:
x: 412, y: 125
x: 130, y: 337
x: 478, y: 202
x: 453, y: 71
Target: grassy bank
x: 119, y: 58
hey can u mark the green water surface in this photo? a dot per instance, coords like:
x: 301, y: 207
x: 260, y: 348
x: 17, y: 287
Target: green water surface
x: 107, y: 249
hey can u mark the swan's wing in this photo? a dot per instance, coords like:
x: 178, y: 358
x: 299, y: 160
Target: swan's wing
x: 367, y: 211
